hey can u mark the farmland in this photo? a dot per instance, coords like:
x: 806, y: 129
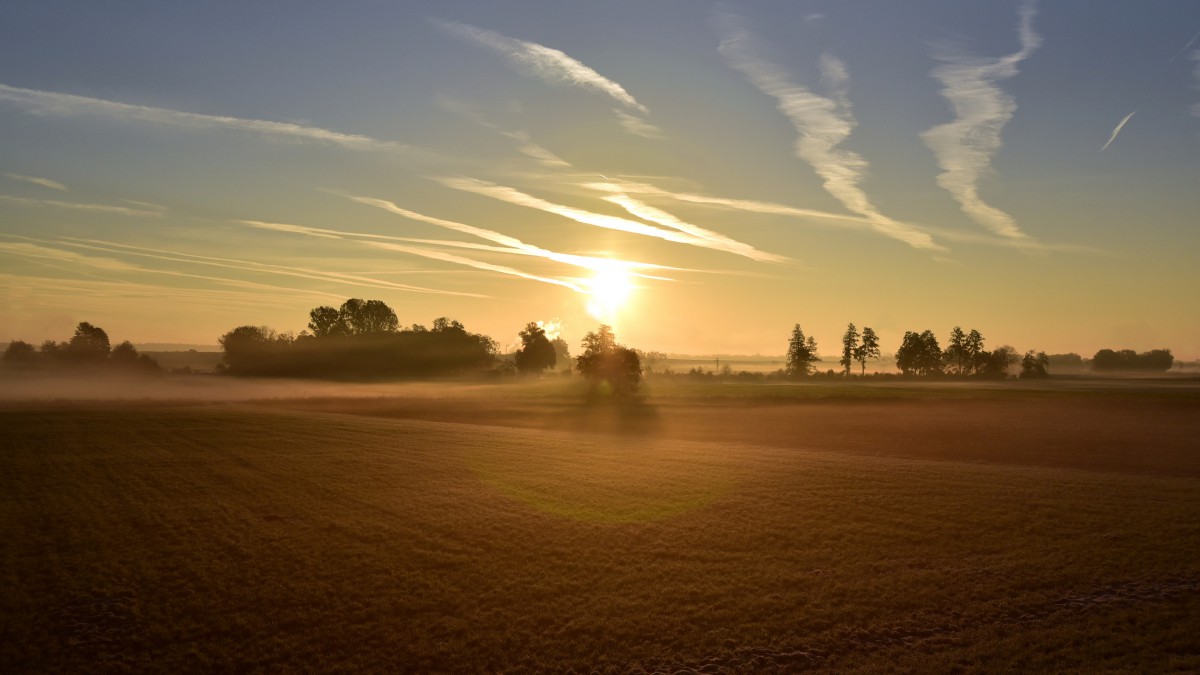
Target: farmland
x: 512, y: 528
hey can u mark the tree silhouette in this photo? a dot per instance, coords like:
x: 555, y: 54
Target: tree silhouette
x: 1034, y: 364
x: 869, y: 349
x: 325, y: 322
x: 562, y: 354
x: 20, y: 355
x: 89, y: 344
x: 367, y: 317
x: 536, y: 353
x: 610, y: 368
x: 849, y: 347
x: 919, y: 354
x: 956, y: 357
x: 801, y: 354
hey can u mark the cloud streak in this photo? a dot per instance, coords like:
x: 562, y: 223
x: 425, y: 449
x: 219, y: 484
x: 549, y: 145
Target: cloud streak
x: 384, y: 242
x: 44, y: 182
x: 516, y: 197
x: 83, y: 206
x: 70, y: 105
x: 822, y: 124
x: 1117, y: 130
x: 965, y: 146
x: 637, y: 126
x: 545, y: 63
x: 507, y: 244
x: 255, y: 267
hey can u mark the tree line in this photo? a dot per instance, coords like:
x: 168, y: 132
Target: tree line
x: 88, y: 349
x: 363, y: 339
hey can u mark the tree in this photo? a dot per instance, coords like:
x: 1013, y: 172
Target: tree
x: 124, y: 355
x: 1034, y: 364
x: 869, y: 349
x: 325, y: 321
x: 995, y: 364
x: 975, y: 353
x: 367, y: 317
x: 956, y: 356
x: 249, y: 348
x: 849, y: 347
x: 610, y: 368
x: 802, y: 353
x: 919, y: 354
x: 89, y: 344
x: 562, y: 354
x: 20, y: 354
x: 536, y: 353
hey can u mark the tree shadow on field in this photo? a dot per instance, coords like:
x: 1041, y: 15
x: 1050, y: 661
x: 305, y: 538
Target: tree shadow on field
x: 627, y: 416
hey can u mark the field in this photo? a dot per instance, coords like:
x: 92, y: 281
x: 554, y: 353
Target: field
x: 511, y: 528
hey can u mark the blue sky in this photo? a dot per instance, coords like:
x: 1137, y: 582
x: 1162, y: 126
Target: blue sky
x: 701, y: 175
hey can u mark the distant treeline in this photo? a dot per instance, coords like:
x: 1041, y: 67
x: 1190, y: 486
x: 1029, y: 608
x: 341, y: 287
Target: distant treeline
x: 88, y: 350
x: 360, y: 340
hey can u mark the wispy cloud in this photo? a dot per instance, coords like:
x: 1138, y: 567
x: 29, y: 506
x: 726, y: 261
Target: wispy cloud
x: 1117, y: 130
x: 385, y: 242
x: 716, y: 240
x: 39, y: 251
x: 477, y: 264
x: 254, y: 267
x: 837, y: 219
x: 44, y: 182
x: 1185, y: 47
x: 513, y: 196
x: 545, y: 63
x: 964, y: 147
x: 525, y: 144
x: 822, y: 124
x: 507, y: 243
x: 637, y: 126
x: 68, y: 105
x: 82, y: 206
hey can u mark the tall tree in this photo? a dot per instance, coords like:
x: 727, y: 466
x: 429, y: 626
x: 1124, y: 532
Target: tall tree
x: 609, y: 367
x: 849, y: 347
x: 20, y: 354
x: 367, y: 317
x: 802, y: 353
x: 955, y: 356
x: 1033, y: 365
x: 919, y: 354
x: 90, y: 343
x: 536, y: 353
x: 976, y: 355
x: 869, y: 349
x: 326, y: 321
x: 562, y: 353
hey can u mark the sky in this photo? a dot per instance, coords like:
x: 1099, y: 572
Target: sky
x: 702, y: 176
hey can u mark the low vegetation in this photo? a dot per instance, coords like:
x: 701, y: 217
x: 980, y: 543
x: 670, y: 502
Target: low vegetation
x: 466, y: 529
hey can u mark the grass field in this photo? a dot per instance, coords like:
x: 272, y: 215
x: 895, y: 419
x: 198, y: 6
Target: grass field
x: 511, y: 529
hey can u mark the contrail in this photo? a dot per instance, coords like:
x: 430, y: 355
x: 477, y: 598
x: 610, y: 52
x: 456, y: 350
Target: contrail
x: 44, y: 182
x: 822, y: 124
x: 507, y: 243
x: 513, y: 196
x: 547, y: 64
x: 67, y: 105
x: 964, y: 147
x: 1185, y: 47
x: 1117, y: 130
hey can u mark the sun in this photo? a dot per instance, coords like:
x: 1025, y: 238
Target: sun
x: 610, y: 290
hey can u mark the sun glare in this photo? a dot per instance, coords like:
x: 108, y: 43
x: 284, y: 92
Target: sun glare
x: 609, y: 290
